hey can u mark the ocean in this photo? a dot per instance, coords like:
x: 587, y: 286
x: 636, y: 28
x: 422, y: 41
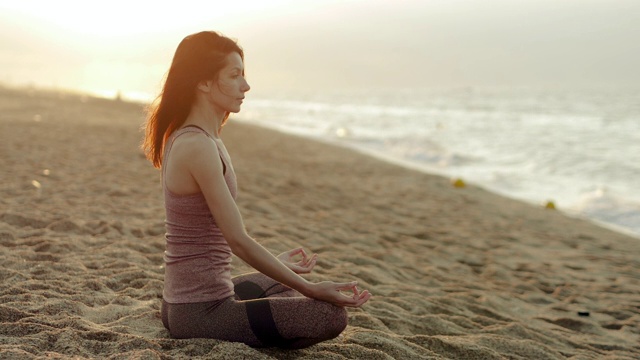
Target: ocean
x: 579, y: 149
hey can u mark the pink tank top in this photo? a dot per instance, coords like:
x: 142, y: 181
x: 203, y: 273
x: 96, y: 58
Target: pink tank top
x: 197, y: 257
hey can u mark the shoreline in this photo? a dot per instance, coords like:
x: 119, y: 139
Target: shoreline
x: 413, y: 166
x: 455, y: 272
x: 138, y: 101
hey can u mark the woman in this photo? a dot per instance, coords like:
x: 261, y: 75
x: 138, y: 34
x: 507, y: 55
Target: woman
x: 273, y: 307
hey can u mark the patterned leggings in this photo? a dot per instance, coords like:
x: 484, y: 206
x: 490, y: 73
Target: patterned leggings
x: 263, y: 313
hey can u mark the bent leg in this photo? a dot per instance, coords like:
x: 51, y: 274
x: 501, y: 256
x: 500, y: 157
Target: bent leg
x: 288, y: 322
x: 288, y: 319
x: 222, y: 320
x: 303, y: 322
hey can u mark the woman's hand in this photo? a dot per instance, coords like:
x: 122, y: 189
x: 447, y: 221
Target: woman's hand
x: 331, y: 292
x: 303, y: 266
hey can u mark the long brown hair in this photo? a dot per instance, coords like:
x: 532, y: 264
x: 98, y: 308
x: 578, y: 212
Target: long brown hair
x: 199, y: 57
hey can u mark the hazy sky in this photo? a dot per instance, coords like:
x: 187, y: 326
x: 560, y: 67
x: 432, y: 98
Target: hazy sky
x: 127, y: 45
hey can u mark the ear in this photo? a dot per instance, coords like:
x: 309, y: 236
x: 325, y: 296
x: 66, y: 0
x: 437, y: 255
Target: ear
x: 205, y: 85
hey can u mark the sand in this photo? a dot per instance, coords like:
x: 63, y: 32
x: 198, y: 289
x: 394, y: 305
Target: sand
x: 456, y: 273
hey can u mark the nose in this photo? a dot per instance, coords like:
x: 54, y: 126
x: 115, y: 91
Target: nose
x: 245, y: 86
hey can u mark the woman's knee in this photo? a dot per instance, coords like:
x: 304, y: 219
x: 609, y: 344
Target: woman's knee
x: 334, y: 321
x: 338, y: 321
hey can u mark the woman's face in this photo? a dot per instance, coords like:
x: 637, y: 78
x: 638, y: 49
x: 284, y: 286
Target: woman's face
x: 228, y: 90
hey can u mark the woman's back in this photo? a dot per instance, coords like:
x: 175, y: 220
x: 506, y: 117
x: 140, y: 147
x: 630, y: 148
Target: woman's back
x: 197, y: 257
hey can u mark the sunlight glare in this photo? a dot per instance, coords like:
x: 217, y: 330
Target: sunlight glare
x: 118, y: 18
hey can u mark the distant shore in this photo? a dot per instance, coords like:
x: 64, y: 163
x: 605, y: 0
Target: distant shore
x: 456, y: 272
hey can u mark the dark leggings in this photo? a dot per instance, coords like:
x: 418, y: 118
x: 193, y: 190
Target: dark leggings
x: 263, y: 313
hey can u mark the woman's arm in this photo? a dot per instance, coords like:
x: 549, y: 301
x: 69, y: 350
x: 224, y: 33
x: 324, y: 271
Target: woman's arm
x: 209, y: 176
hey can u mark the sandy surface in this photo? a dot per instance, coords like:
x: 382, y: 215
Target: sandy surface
x: 456, y: 273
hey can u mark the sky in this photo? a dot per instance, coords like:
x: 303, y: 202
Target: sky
x: 127, y: 46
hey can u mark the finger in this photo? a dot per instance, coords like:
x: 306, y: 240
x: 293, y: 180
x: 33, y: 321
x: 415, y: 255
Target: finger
x: 305, y: 260
x: 303, y: 265
x: 346, y: 286
x: 311, y: 262
x: 302, y: 268
x: 308, y: 269
x: 299, y: 269
x: 364, y: 294
x: 354, y: 303
x: 363, y: 299
x: 294, y: 252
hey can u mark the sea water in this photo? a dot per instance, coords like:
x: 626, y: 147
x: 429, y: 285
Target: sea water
x: 579, y: 149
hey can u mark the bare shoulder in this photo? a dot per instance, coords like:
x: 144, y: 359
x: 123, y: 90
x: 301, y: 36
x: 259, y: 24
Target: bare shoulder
x: 192, y: 146
x: 189, y: 166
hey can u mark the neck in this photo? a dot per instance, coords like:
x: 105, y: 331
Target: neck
x: 206, y: 116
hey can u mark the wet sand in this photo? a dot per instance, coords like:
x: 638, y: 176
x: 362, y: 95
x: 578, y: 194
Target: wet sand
x: 456, y: 273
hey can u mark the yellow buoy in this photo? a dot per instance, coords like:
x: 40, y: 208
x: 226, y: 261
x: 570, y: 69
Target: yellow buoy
x: 550, y: 205
x: 459, y: 183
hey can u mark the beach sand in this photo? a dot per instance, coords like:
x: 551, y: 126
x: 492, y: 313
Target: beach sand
x: 456, y: 273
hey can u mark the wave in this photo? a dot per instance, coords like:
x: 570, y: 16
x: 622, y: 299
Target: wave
x: 529, y: 146
x: 604, y: 205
